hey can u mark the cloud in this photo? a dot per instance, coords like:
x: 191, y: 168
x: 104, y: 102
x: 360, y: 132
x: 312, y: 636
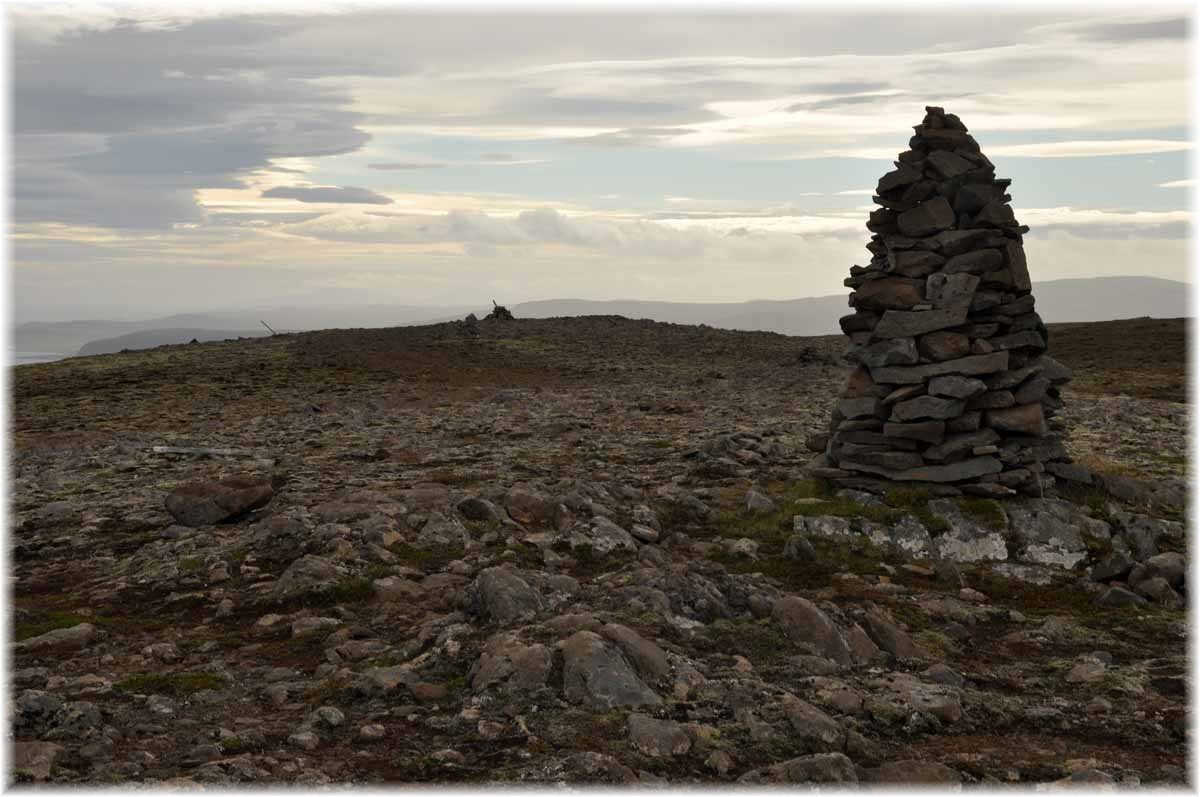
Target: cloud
x: 344, y: 195
x: 1089, y: 149
x: 633, y: 137
x: 1176, y: 28
x: 406, y: 165
x: 130, y: 120
x: 1047, y: 149
x: 1178, y: 184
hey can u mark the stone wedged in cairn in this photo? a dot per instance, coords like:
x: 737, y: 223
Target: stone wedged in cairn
x: 952, y: 387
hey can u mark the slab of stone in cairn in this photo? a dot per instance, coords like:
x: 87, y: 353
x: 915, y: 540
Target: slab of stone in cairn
x: 953, y: 387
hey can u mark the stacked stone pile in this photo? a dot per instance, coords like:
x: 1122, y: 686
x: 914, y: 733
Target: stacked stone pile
x: 952, y: 384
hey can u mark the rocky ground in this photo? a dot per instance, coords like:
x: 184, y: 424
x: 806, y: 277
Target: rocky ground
x: 575, y: 550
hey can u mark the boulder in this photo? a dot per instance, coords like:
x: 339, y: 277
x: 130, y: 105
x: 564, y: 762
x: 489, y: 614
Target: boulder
x: 505, y: 598
x: 597, y: 675
x: 807, y: 625
x: 203, y: 503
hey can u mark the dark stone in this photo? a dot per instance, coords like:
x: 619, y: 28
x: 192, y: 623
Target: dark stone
x: 955, y: 386
x: 914, y: 263
x: 955, y: 242
x: 926, y: 407
x: 944, y: 345
x: 979, y: 261
x: 1017, y: 340
x: 967, y: 422
x: 859, y: 407
x: 1018, y: 269
x: 907, y: 324
x: 995, y: 214
x: 947, y: 164
x: 1032, y: 390
x: 893, y: 351
x: 205, y: 503
x: 960, y: 444
x: 927, y: 218
x: 992, y: 400
x: 889, y: 293
x: 928, y: 431
x: 902, y: 176
x: 858, y: 322
x: 1021, y: 419
x: 951, y: 290
x: 892, y: 460
x: 970, y: 366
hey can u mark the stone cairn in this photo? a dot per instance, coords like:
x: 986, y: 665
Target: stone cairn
x: 953, y: 388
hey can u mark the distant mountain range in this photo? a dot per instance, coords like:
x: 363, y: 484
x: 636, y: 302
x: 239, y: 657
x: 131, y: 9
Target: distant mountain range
x: 1090, y: 299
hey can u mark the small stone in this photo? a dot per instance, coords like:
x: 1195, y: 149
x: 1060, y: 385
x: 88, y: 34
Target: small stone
x: 719, y: 762
x: 658, y: 738
x: 34, y: 760
x: 372, y: 733
x: 942, y: 674
x: 756, y: 503
x: 305, y: 739
x: 1088, y: 670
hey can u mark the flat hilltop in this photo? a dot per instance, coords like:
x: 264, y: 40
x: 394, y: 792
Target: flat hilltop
x: 576, y: 549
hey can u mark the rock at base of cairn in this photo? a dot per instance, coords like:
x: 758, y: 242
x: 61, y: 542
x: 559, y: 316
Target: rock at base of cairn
x: 953, y: 387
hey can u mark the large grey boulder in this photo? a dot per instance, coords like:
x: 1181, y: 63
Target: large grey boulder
x: 597, y: 675
x: 804, y: 623
x: 505, y: 598
x: 203, y: 503
x: 307, y: 575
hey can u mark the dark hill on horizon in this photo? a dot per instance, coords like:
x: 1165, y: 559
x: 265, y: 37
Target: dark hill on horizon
x: 1058, y: 301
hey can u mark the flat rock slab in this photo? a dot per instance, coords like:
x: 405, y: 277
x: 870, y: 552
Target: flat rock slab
x: 907, y: 323
x: 205, y: 503
x: 916, y: 374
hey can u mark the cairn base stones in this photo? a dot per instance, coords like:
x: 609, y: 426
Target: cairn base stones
x: 953, y: 387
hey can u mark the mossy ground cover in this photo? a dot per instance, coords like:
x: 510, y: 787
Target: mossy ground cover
x: 183, y: 684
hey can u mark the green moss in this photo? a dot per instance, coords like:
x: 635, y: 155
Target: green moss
x: 190, y: 564
x: 180, y: 684
x: 907, y: 497
x: 353, y: 590
x: 52, y: 621
x: 759, y: 640
x: 983, y: 510
x: 590, y: 563
x: 428, y: 560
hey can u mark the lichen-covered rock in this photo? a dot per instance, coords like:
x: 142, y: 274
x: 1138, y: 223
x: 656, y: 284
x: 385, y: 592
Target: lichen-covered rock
x: 508, y: 662
x: 597, y: 675
x: 804, y: 623
x: 505, y: 598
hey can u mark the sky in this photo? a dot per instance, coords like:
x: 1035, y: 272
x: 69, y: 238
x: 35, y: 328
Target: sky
x: 175, y: 158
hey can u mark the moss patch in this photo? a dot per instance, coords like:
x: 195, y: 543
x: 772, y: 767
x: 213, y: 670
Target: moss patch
x: 52, y: 621
x: 180, y: 684
x: 984, y: 511
x: 427, y: 560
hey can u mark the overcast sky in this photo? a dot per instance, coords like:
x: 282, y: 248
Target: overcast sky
x: 174, y: 161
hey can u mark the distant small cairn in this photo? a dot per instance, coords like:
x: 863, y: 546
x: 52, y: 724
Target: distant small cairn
x: 952, y: 386
x: 472, y: 325
x: 500, y: 313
